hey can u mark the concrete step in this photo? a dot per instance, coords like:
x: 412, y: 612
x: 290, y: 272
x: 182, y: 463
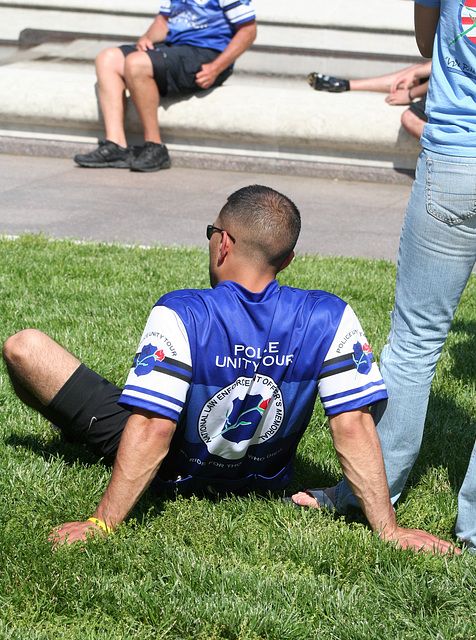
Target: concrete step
x: 351, y: 14
x: 359, y: 60
x: 345, y: 37
x: 281, y: 121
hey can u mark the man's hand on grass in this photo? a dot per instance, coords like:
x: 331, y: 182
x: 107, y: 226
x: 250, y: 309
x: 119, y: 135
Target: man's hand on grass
x: 419, y: 540
x: 414, y: 539
x: 73, y: 532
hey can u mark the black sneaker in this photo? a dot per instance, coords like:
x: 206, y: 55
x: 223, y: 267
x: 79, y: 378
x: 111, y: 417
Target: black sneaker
x: 320, y: 82
x: 152, y: 158
x: 108, y: 154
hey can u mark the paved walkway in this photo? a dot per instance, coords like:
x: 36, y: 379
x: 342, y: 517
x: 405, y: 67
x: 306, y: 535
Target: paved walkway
x: 173, y: 207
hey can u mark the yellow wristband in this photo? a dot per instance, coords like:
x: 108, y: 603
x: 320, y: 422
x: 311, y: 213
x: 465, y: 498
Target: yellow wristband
x: 102, y: 525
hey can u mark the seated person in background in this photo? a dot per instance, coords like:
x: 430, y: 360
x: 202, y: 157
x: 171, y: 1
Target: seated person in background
x: 190, y: 46
x: 403, y: 87
x: 224, y: 382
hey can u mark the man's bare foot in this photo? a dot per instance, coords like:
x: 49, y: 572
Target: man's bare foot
x: 315, y: 498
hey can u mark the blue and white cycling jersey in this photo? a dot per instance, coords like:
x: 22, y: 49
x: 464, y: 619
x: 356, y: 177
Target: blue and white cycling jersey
x: 240, y: 373
x: 205, y: 23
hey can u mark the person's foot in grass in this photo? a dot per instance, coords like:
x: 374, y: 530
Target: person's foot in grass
x: 315, y: 498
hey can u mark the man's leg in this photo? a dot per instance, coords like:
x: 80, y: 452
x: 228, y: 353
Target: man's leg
x: 381, y: 84
x: 112, y: 152
x: 38, y: 367
x: 110, y: 69
x: 80, y: 402
x: 139, y: 77
x: 140, y: 80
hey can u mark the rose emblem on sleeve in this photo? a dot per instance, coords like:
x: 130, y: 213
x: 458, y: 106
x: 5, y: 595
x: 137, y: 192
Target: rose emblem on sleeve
x: 147, y: 359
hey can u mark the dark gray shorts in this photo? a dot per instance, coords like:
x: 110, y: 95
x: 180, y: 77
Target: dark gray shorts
x: 175, y: 66
x: 418, y: 108
x: 86, y: 411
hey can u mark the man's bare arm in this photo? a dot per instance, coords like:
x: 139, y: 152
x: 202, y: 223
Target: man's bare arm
x: 157, y: 32
x: 426, y: 22
x: 359, y: 453
x: 144, y: 444
x: 241, y: 41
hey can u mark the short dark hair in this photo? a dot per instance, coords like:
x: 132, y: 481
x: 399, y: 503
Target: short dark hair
x: 267, y: 222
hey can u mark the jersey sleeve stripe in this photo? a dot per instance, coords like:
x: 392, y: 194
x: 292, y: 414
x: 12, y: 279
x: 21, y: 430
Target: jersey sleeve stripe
x: 346, y: 356
x: 145, y: 403
x: 173, y: 374
x: 171, y: 367
x: 152, y: 402
x: 165, y: 7
x: 360, y: 391
x: 356, y: 403
x: 178, y: 363
x: 154, y: 394
x: 236, y: 12
x: 331, y: 367
x: 171, y: 361
x: 236, y: 4
x: 332, y: 361
x: 337, y: 370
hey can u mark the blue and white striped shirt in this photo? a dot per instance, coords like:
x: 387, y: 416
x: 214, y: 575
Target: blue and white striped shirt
x: 205, y: 23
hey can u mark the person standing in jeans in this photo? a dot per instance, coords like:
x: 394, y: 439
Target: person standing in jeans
x: 436, y: 256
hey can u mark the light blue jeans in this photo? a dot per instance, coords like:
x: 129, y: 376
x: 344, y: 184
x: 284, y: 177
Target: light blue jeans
x: 436, y: 256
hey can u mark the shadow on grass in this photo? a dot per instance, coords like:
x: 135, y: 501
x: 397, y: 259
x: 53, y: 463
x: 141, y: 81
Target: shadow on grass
x: 307, y: 475
x: 464, y: 351
x: 450, y: 427
x: 70, y: 453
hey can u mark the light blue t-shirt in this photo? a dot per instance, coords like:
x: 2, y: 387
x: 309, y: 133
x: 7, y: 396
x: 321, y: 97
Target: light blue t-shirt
x: 451, y: 100
x: 205, y: 23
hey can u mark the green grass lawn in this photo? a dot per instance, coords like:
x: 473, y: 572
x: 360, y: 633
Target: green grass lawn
x: 236, y: 568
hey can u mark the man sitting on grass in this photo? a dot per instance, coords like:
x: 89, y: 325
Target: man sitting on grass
x: 224, y: 382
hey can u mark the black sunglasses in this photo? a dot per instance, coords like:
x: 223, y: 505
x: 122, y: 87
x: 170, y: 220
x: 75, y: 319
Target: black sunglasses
x: 211, y: 230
